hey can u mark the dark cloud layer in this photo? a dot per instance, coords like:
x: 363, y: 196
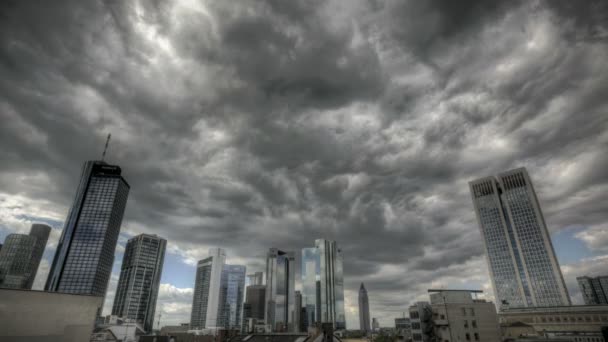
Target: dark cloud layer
x: 270, y: 123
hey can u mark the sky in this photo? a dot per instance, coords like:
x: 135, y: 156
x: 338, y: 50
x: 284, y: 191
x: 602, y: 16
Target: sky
x: 255, y: 124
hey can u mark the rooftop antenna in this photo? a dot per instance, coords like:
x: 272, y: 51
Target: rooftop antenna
x: 105, y: 149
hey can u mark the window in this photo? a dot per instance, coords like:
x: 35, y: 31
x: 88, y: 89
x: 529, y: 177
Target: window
x: 466, y: 323
x: 416, y: 325
x: 472, y: 311
x: 442, y: 316
x: 417, y: 337
x: 474, y: 323
x: 414, y: 314
x: 464, y: 311
x: 476, y: 337
x: 467, y: 337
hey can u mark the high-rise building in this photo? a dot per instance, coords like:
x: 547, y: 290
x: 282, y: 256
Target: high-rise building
x: 256, y: 298
x: 297, y: 312
x: 206, y: 300
x: 256, y: 278
x: 375, y: 324
x: 323, y: 284
x: 594, y: 289
x: 139, y: 280
x: 20, y: 257
x: 523, y: 267
x: 232, y: 292
x: 363, y: 309
x: 280, y: 287
x: 85, y: 252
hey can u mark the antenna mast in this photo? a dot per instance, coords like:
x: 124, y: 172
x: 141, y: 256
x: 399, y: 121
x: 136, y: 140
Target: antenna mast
x: 105, y: 149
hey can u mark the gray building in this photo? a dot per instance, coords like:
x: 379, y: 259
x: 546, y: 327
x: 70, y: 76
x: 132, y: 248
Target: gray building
x: 207, y: 287
x: 256, y: 298
x: 297, y: 312
x: 323, y: 284
x: 139, y: 281
x: 256, y: 278
x: 594, y: 289
x: 85, y: 252
x: 232, y: 292
x: 21, y: 255
x: 364, y: 324
x: 520, y: 255
x: 36, y: 316
x: 280, y: 287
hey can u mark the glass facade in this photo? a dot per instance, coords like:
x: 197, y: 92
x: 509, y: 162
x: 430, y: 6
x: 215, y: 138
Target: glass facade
x: 280, y: 286
x: 85, y: 253
x: 522, y: 262
x: 20, y: 257
x: 323, y: 284
x: 594, y: 290
x: 207, y: 289
x: 139, y: 280
x: 231, y: 296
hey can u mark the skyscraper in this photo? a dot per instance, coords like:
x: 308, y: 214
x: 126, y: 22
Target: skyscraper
x: 21, y: 255
x: 297, y: 312
x: 85, y: 253
x: 256, y: 278
x: 256, y: 298
x: 520, y: 255
x: 594, y: 290
x: 280, y: 286
x: 139, y: 280
x: 323, y: 284
x: 363, y: 309
x: 207, y: 288
x: 231, y: 296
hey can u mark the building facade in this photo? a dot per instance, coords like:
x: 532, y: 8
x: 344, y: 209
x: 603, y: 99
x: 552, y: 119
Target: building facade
x: 20, y: 257
x: 256, y: 278
x: 457, y: 316
x: 280, y: 290
x: 578, y: 323
x: 594, y: 289
x: 85, y: 252
x: 363, y: 309
x: 232, y: 292
x: 323, y: 284
x: 520, y: 255
x: 206, y: 299
x: 139, y: 280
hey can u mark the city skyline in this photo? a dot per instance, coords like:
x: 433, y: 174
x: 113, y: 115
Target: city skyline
x: 264, y: 124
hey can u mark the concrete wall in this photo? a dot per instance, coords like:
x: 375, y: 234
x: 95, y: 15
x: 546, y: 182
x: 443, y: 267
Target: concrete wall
x: 36, y: 316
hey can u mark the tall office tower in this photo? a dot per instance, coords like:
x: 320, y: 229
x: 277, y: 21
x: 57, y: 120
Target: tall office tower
x: 280, y: 286
x: 20, y: 257
x: 297, y: 312
x: 256, y: 278
x: 363, y: 309
x: 139, y: 280
x: 206, y: 299
x: 256, y: 298
x: 85, y: 253
x: 232, y: 292
x: 594, y: 290
x: 520, y: 255
x: 323, y: 284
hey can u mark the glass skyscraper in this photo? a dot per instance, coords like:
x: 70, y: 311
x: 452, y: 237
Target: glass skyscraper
x: 594, y: 289
x: 523, y: 267
x: 323, y: 284
x: 363, y: 310
x: 21, y: 255
x: 231, y: 296
x: 280, y: 287
x: 85, y: 252
x: 139, y: 280
x: 207, y: 288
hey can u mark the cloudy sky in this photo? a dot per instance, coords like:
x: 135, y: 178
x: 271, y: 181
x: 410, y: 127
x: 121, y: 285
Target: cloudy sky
x: 256, y: 124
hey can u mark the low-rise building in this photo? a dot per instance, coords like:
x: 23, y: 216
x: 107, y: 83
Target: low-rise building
x: 454, y: 315
x: 36, y: 316
x: 579, y: 323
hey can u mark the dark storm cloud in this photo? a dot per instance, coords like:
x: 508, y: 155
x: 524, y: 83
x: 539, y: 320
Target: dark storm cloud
x: 257, y: 124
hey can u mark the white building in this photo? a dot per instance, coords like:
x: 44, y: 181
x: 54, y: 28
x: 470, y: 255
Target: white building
x: 206, y: 299
x: 522, y: 263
